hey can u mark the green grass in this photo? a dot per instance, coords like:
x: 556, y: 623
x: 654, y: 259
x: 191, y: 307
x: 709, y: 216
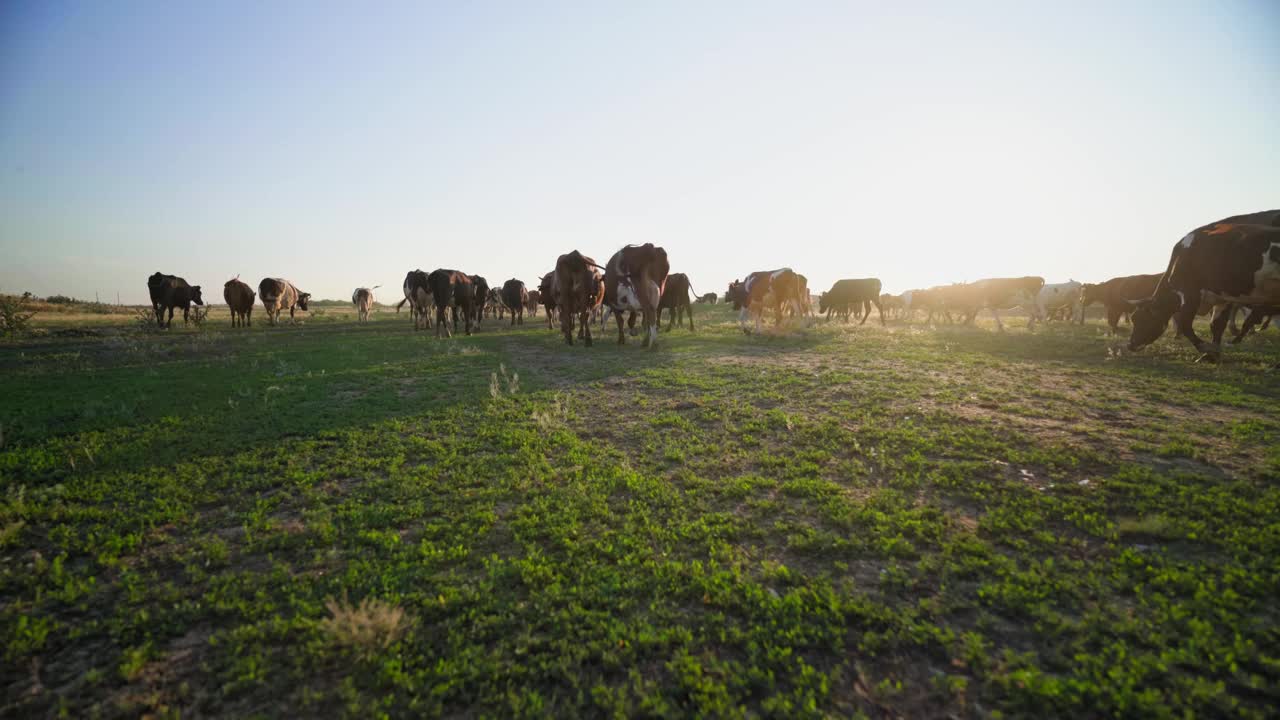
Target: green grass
x: 342, y: 520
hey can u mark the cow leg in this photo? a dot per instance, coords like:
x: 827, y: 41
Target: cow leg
x: 566, y: 324
x: 622, y: 337
x: 186, y: 314
x: 1113, y: 319
x: 1250, y: 320
x: 631, y: 324
x: 586, y: 327
x: 1185, y: 319
x: 169, y: 323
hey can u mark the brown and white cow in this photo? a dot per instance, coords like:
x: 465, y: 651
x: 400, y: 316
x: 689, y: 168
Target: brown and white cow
x: 239, y: 297
x: 633, y: 282
x: 278, y: 294
x: 362, y: 299
x: 578, y: 293
x: 451, y: 291
x: 1229, y: 263
x: 675, y: 297
x: 846, y: 295
x: 774, y: 290
x: 417, y: 292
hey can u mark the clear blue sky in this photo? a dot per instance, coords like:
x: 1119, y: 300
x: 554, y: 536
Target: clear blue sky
x: 343, y: 144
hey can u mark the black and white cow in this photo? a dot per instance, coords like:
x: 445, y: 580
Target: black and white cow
x: 1237, y: 264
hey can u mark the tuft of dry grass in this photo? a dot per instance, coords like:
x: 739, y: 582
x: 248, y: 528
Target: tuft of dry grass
x: 367, y: 627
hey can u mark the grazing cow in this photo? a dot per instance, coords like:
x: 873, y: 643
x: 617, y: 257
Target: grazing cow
x: 709, y: 298
x: 1054, y: 297
x: 278, y: 294
x: 417, y: 292
x: 892, y: 304
x: 848, y: 294
x: 633, y: 281
x: 239, y: 297
x: 480, y: 292
x: 578, y: 293
x: 1224, y: 263
x: 764, y: 290
x: 362, y: 298
x: 548, y: 293
x: 453, y: 294
x: 1118, y: 295
x: 531, y: 305
x: 675, y: 297
x: 167, y: 292
x: 514, y: 298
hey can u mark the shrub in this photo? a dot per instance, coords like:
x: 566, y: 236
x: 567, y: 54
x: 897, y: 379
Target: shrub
x: 364, y: 628
x: 14, y: 316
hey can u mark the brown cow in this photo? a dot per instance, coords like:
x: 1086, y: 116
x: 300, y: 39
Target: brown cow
x: 708, y: 298
x: 531, y: 305
x: 451, y: 291
x: 633, y: 282
x: 675, y: 297
x: 547, y: 292
x: 845, y: 296
x: 239, y: 297
x: 892, y: 304
x: 278, y: 294
x: 994, y: 294
x: 578, y: 293
x: 1119, y: 295
x: 765, y: 290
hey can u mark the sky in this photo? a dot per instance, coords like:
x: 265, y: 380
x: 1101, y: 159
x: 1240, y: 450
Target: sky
x: 343, y: 144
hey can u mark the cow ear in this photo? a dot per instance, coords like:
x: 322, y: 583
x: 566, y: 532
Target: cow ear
x: 196, y: 287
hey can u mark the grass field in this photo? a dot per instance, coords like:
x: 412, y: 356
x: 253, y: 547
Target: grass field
x: 335, y: 519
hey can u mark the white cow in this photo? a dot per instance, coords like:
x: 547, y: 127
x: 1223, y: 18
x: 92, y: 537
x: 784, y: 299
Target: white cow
x: 362, y: 298
x: 1055, y: 296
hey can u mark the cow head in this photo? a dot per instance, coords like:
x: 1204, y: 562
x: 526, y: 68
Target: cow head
x: 195, y: 295
x: 822, y: 303
x: 1150, y: 317
x: 737, y: 295
x: 302, y: 300
x: 1090, y: 293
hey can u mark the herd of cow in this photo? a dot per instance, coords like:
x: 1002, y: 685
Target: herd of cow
x: 1223, y: 267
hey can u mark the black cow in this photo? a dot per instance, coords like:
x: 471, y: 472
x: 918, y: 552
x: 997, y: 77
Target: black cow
x: 675, y: 297
x: 515, y: 297
x: 847, y: 295
x: 1220, y: 263
x: 169, y: 292
x: 452, y: 291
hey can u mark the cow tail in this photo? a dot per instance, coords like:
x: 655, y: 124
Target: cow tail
x: 401, y: 304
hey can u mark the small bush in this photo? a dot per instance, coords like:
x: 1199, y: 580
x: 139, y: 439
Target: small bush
x: 14, y: 315
x: 364, y: 628
x: 61, y: 300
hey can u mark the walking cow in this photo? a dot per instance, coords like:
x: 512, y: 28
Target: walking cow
x: 452, y: 291
x: 633, y: 282
x: 239, y: 297
x: 278, y: 294
x: 362, y: 298
x: 1225, y: 262
x: 169, y: 292
x: 578, y: 292
x: 675, y: 297
x: 515, y: 297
